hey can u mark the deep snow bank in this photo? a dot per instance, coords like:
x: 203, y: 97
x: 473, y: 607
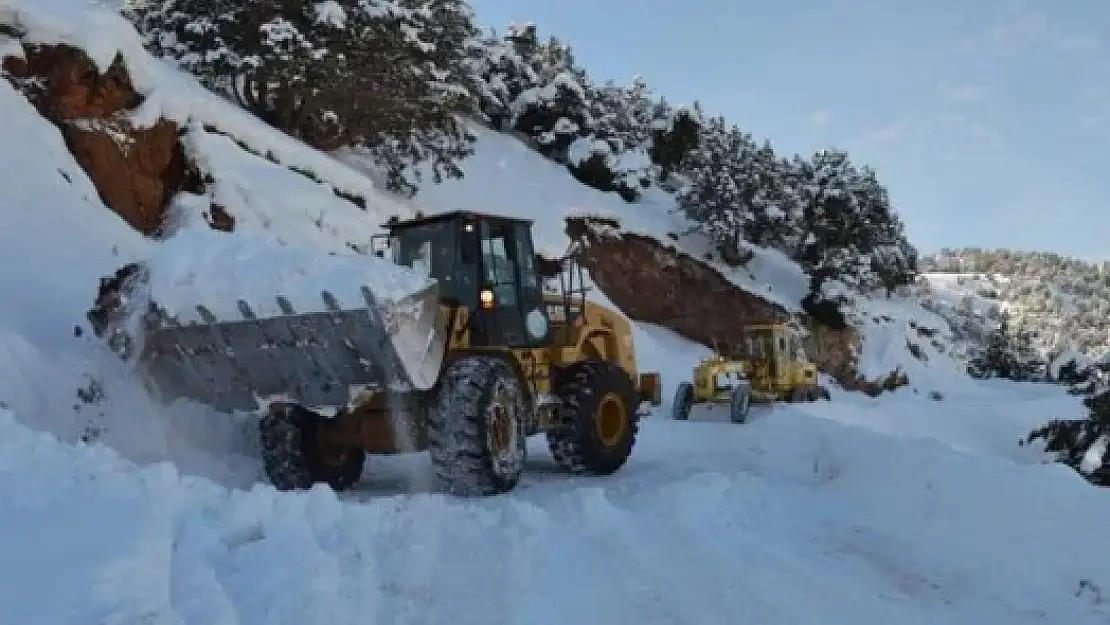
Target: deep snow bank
x: 58, y: 239
x: 788, y: 519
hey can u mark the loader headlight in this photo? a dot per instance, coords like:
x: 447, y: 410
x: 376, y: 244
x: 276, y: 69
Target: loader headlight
x: 535, y: 323
x: 485, y: 298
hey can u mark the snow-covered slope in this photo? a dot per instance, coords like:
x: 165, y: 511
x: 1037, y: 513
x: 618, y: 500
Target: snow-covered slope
x: 898, y: 509
x: 1062, y: 302
x: 504, y: 176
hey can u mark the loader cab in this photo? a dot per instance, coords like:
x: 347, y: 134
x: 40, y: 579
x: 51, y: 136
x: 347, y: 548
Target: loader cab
x: 484, y: 263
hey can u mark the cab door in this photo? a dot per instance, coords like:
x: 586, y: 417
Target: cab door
x: 494, y: 254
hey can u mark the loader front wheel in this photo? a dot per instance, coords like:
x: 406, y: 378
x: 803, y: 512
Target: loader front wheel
x: 476, y: 432
x: 293, y: 457
x: 596, y: 422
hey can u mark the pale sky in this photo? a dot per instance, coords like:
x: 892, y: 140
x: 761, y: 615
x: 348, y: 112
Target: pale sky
x: 988, y: 120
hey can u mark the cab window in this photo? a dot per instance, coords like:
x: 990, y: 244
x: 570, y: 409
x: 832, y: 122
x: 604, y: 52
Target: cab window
x: 500, y: 274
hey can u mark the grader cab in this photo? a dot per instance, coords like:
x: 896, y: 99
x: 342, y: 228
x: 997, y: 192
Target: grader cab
x: 764, y: 368
x: 467, y: 369
x: 771, y: 352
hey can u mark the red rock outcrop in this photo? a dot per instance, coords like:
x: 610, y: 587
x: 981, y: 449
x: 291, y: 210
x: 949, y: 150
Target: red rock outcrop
x: 136, y: 171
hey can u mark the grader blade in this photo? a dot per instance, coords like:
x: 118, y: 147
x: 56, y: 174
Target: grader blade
x: 313, y: 358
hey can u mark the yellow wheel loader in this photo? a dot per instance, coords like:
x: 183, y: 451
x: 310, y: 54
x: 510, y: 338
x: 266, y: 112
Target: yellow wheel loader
x: 488, y: 355
x: 766, y: 370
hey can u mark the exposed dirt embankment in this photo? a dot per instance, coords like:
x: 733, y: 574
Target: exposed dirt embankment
x: 657, y: 283
x: 137, y: 170
x: 661, y: 285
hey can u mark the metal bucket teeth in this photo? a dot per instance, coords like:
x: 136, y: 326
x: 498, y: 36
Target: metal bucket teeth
x: 315, y: 358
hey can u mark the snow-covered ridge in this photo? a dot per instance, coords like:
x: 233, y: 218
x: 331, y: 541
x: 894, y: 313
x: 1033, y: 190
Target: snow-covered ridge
x: 1063, y: 302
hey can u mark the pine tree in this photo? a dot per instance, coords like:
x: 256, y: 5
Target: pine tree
x: 771, y: 202
x: 1009, y: 353
x: 734, y: 189
x: 715, y: 197
x: 828, y: 223
x: 613, y: 132
x: 845, y: 227
x: 674, y: 135
x: 1083, y: 444
x: 387, y: 76
x: 554, y: 112
x: 996, y: 360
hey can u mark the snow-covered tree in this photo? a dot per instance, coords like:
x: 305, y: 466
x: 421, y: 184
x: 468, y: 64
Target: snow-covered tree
x: 386, y: 75
x: 536, y: 89
x: 1083, y: 444
x: 612, y: 156
x: 1008, y: 354
x: 555, y: 110
x: 845, y: 226
x: 674, y: 134
x: 734, y: 189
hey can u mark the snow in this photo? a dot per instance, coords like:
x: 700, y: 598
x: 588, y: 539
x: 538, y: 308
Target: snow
x: 504, y: 176
x: 330, y: 12
x: 889, y: 325
x: 897, y: 509
x: 203, y: 267
x: 787, y: 519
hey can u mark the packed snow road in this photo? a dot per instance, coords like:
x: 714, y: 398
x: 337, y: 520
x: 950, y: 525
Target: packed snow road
x: 792, y: 518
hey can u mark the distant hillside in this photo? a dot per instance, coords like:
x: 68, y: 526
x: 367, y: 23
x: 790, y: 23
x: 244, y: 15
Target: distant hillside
x: 1062, y: 302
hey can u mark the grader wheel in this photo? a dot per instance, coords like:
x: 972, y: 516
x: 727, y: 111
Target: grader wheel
x: 740, y: 404
x: 683, y: 402
x: 596, y: 419
x: 809, y: 393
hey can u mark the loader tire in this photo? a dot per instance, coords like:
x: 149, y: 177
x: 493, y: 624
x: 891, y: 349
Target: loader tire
x: 595, y: 419
x: 291, y: 457
x: 476, y: 431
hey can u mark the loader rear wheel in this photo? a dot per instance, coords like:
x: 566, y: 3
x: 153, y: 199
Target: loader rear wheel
x: 596, y: 422
x: 293, y: 457
x: 476, y: 432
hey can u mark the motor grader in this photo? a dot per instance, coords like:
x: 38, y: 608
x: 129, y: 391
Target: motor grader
x: 765, y: 370
x: 486, y: 356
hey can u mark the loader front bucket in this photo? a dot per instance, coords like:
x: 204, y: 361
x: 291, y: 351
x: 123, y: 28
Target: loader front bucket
x: 316, y: 359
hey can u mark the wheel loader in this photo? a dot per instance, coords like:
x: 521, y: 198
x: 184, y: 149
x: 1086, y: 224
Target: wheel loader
x: 501, y: 346
x: 765, y: 370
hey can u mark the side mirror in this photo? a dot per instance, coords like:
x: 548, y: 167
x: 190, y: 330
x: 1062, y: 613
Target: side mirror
x: 548, y: 268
